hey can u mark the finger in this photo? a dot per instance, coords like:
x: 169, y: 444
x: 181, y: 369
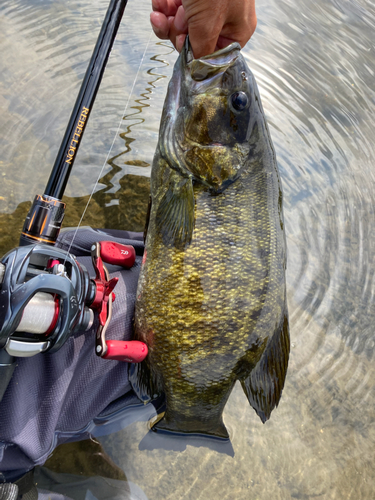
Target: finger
x: 178, y: 29
x: 240, y: 34
x: 180, y: 40
x: 166, y: 7
x: 239, y: 28
x: 160, y: 25
x: 202, y: 46
x: 180, y: 22
x: 223, y: 42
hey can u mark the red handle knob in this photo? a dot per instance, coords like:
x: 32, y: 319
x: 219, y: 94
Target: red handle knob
x: 117, y: 254
x: 132, y: 351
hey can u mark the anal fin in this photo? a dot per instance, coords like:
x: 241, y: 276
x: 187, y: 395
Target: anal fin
x: 142, y: 381
x: 265, y: 382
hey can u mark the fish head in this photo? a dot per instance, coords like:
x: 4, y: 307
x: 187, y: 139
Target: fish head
x: 213, y: 115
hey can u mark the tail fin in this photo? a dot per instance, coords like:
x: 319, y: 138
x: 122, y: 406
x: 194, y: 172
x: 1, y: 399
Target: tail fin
x: 194, y: 427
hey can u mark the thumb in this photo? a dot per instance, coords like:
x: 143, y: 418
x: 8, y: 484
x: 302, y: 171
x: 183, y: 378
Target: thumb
x: 202, y: 46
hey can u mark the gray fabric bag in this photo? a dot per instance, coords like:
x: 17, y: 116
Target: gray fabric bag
x: 72, y: 393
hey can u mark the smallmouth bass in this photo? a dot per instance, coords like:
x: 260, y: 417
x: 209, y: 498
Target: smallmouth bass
x: 211, y: 298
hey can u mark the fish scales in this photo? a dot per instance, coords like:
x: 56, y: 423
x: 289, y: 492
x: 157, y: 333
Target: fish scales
x: 211, y: 299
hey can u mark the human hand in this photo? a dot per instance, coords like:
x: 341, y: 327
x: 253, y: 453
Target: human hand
x: 211, y: 24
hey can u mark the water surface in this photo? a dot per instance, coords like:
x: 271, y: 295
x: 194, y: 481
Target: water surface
x: 314, y: 63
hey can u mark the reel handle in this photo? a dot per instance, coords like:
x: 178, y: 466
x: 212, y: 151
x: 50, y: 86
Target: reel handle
x: 131, y: 352
x: 117, y: 254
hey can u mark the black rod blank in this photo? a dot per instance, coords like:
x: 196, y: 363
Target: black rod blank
x: 85, y: 100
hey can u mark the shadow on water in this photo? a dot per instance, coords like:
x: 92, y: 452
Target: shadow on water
x: 125, y: 209
x: 80, y: 469
x: 170, y: 441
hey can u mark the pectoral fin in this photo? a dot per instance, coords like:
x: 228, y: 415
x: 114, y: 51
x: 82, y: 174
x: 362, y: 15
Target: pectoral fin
x: 175, y: 214
x: 265, y: 383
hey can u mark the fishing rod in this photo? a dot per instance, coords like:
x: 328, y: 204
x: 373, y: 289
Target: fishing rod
x: 45, y: 294
x: 45, y: 217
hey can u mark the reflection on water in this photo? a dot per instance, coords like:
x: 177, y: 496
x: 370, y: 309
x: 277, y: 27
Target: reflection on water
x: 314, y: 64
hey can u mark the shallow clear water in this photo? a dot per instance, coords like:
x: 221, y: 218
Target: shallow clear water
x: 314, y: 63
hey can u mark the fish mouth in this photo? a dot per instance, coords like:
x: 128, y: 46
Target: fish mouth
x: 202, y: 162
x: 208, y: 69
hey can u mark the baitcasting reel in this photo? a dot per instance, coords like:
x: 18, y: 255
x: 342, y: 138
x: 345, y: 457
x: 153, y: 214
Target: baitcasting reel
x: 46, y: 295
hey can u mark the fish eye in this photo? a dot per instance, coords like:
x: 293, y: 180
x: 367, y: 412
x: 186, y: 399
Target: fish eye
x: 239, y: 100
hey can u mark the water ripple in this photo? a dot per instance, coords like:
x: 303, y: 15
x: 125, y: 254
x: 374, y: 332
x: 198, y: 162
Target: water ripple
x: 314, y: 64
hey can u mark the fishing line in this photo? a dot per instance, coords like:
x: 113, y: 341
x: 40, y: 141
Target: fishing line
x: 111, y: 147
